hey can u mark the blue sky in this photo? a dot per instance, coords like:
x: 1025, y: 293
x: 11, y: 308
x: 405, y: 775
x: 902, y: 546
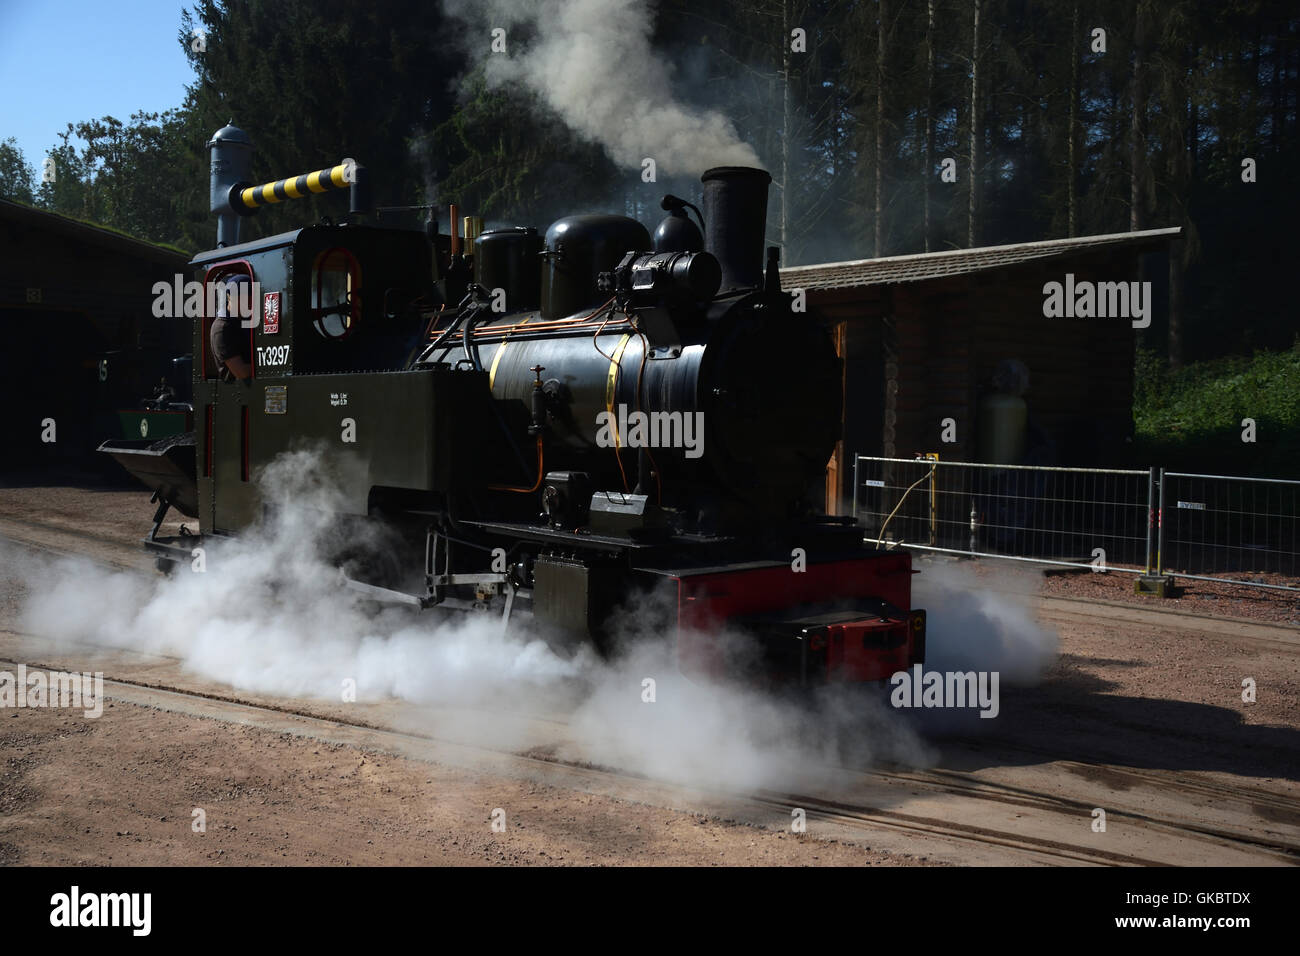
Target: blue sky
x: 62, y: 61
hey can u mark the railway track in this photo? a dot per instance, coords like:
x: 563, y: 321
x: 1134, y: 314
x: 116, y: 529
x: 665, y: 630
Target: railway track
x: 864, y: 821
x: 908, y: 808
x: 1281, y: 850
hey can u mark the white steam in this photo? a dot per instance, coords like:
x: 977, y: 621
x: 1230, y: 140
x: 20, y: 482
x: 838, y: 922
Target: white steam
x: 268, y: 616
x: 592, y: 62
x: 971, y: 627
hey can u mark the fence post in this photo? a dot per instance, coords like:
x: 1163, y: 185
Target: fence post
x: 857, y: 480
x: 1155, y: 582
x: 934, y: 510
x: 1160, y: 526
x: 1151, y: 516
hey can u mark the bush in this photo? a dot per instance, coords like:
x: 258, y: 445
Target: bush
x: 1191, y: 419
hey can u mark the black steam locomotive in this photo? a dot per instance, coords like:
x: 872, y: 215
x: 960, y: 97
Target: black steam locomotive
x: 553, y: 424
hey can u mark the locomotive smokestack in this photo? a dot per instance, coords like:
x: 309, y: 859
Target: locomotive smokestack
x: 230, y: 164
x: 735, y: 215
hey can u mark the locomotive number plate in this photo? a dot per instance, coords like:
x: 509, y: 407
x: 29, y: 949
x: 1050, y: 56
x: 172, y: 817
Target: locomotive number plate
x: 273, y: 355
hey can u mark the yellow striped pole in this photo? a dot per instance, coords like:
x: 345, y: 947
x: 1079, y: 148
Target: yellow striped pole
x: 323, y: 180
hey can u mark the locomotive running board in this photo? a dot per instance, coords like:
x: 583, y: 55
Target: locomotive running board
x: 546, y: 535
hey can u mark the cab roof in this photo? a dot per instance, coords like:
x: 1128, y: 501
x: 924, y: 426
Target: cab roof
x: 244, y: 249
x: 241, y: 249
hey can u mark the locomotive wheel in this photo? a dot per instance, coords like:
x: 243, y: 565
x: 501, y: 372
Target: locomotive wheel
x: 166, y: 566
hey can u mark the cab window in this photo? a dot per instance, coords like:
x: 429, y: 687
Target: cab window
x: 335, y: 293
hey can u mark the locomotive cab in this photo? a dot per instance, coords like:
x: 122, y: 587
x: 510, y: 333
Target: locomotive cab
x: 329, y: 302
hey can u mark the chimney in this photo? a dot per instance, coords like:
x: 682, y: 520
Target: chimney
x: 735, y: 215
x: 231, y: 164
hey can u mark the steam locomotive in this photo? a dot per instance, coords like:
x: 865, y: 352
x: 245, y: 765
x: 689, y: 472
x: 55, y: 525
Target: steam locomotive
x: 553, y: 424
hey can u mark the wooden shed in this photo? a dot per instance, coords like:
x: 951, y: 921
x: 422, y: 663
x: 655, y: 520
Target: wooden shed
x: 921, y: 336
x: 78, y: 330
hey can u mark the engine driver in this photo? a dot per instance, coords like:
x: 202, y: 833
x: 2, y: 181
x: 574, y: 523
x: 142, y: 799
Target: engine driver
x: 229, y: 338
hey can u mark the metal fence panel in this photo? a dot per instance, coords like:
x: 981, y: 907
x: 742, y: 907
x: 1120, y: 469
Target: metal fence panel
x: 1235, y: 529
x: 1078, y: 517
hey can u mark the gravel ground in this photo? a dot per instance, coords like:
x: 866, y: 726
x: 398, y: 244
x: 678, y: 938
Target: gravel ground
x: 1207, y: 598
x: 1154, y: 696
x: 123, y: 790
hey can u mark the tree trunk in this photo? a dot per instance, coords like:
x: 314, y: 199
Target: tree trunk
x: 1175, y: 343
x: 1256, y: 86
x: 972, y: 230
x: 786, y: 122
x: 1279, y: 64
x: 929, y: 120
x: 1193, y: 112
x: 1072, y: 164
x: 880, y: 129
x: 1138, y: 129
x: 1182, y: 174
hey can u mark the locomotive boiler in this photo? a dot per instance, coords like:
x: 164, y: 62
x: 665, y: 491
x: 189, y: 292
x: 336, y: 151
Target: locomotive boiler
x: 553, y: 423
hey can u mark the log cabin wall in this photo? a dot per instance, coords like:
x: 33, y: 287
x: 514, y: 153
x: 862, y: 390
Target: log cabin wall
x: 921, y: 351
x: 1080, y: 369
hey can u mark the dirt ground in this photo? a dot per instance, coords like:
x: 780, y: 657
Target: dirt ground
x: 1143, y: 713
x: 122, y: 790
x: 1190, y: 596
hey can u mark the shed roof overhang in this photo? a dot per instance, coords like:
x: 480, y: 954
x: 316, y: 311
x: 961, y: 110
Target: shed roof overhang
x: 54, y: 223
x: 862, y: 274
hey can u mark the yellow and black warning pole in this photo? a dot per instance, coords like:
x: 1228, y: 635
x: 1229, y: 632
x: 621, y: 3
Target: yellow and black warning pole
x: 232, y: 195
x: 341, y: 176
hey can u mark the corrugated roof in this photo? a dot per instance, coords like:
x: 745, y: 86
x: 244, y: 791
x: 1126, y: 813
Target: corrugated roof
x: 937, y: 265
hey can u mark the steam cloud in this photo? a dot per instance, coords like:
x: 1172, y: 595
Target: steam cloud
x: 970, y: 627
x: 269, y: 617
x: 592, y: 62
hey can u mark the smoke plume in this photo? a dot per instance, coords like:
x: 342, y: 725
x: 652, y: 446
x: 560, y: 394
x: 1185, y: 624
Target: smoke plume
x: 592, y: 62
